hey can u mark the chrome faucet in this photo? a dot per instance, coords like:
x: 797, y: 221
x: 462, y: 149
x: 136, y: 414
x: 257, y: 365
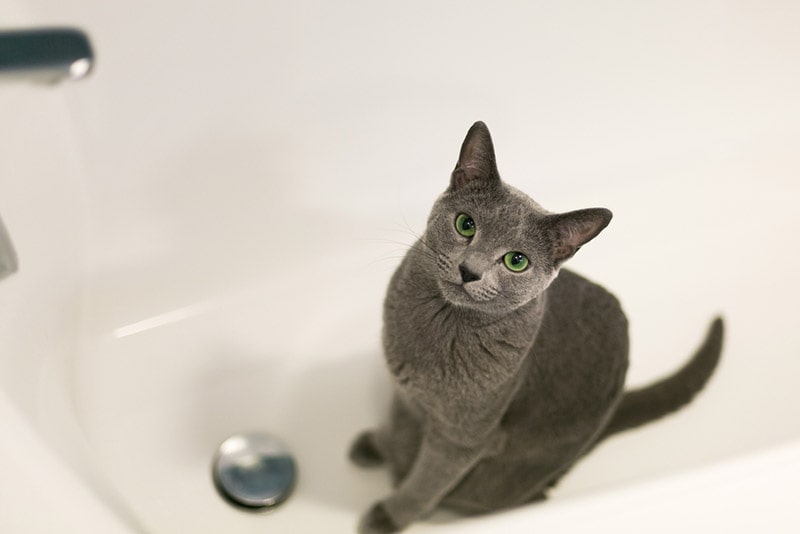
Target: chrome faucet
x: 8, y: 258
x: 46, y: 55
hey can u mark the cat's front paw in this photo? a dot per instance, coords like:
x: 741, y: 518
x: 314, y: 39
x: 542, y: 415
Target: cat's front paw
x: 364, y: 452
x: 377, y: 521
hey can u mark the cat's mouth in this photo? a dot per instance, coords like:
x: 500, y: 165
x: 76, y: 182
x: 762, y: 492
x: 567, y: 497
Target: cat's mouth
x: 470, y: 293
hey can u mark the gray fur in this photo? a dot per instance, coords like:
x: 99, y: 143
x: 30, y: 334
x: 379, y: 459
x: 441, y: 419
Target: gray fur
x: 502, y: 379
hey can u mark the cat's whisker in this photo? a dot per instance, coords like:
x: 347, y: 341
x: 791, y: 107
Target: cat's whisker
x: 406, y: 246
x: 385, y: 241
x: 426, y: 248
x: 386, y: 258
x: 419, y: 237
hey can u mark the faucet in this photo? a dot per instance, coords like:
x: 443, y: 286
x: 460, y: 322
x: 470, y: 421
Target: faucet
x: 46, y: 55
x: 8, y: 258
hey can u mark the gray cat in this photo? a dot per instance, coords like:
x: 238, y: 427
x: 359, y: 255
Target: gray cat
x: 506, y: 368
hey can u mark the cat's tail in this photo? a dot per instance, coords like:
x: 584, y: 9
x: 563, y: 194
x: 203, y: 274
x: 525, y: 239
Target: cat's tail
x: 643, y: 405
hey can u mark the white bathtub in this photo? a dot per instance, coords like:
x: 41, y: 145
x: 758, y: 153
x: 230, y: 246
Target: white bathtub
x: 206, y: 226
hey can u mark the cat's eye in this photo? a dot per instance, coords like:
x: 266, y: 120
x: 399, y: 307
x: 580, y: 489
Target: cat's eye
x: 465, y: 225
x: 516, y: 261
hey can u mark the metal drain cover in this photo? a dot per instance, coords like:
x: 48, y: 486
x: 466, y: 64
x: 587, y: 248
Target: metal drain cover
x: 254, y: 470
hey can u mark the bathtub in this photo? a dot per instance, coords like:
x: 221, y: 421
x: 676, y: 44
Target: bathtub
x: 206, y: 226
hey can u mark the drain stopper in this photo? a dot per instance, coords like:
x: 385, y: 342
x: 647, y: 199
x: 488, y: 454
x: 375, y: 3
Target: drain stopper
x: 254, y: 471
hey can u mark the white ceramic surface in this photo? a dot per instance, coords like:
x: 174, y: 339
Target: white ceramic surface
x: 205, y: 228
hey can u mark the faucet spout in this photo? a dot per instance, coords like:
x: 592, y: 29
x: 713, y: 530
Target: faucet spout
x: 47, y: 55
x: 8, y: 258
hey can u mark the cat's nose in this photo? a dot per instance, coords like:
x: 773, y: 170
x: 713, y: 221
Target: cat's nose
x: 467, y: 275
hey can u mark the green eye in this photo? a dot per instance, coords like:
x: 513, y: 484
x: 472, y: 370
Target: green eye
x: 516, y: 261
x: 465, y: 225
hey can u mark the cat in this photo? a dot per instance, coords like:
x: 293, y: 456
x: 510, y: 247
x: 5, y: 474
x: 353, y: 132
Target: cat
x: 506, y: 368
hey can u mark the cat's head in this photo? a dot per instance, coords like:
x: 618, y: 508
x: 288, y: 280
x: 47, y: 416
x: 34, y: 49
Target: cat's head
x: 492, y: 248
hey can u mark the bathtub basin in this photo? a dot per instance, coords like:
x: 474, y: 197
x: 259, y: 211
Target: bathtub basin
x: 204, y: 249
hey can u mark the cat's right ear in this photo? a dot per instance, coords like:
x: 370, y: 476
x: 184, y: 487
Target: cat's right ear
x: 476, y: 162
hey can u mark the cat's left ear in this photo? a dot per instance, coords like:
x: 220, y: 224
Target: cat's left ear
x: 569, y: 231
x: 476, y: 162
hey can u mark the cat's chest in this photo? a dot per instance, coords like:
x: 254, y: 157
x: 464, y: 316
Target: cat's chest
x: 431, y: 346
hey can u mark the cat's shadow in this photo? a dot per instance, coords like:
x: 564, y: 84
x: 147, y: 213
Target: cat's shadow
x: 330, y: 405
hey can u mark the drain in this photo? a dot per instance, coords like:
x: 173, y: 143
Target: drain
x: 254, y: 471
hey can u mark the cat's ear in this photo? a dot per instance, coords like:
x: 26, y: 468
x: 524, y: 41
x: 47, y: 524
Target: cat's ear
x: 570, y: 231
x: 476, y: 162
